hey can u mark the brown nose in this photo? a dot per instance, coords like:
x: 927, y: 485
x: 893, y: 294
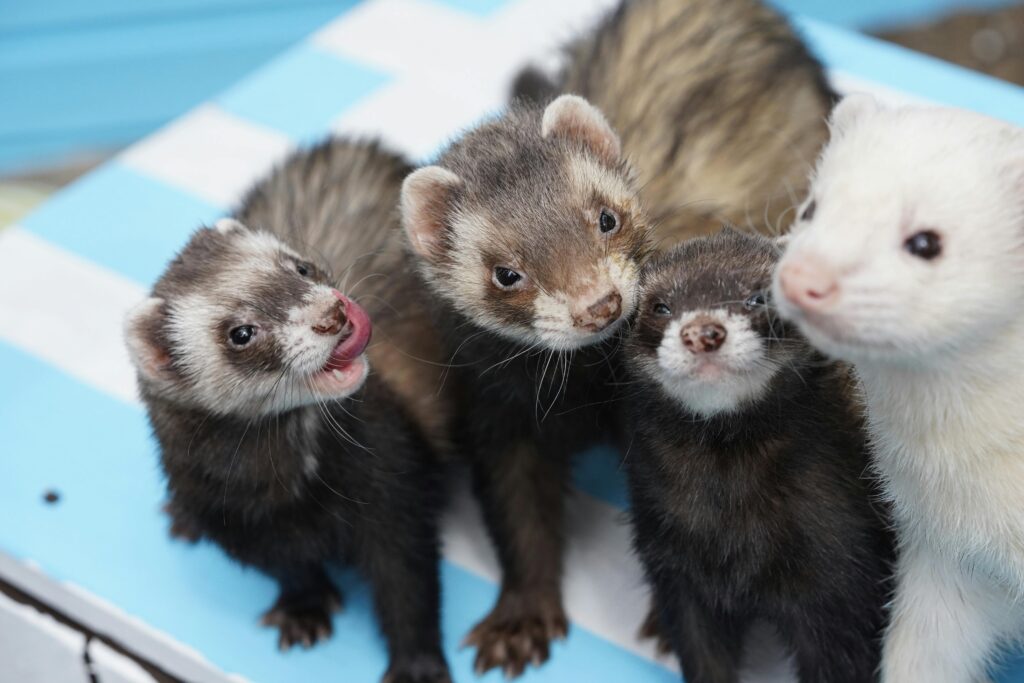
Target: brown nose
x: 332, y: 321
x: 703, y: 335
x: 808, y: 284
x: 601, y: 313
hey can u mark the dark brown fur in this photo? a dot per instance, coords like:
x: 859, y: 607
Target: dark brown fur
x: 532, y: 202
x: 354, y: 480
x: 768, y: 512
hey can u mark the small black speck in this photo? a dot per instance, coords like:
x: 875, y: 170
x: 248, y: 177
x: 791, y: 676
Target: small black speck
x: 51, y: 497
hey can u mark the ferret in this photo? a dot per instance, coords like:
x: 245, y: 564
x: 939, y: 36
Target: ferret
x: 720, y: 106
x: 277, y: 441
x: 529, y: 235
x: 908, y: 262
x: 749, y: 497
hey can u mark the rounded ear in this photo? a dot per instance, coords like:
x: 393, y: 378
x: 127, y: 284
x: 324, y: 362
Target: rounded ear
x: 426, y: 201
x: 573, y: 118
x: 141, y: 333
x: 229, y: 225
x: 851, y: 109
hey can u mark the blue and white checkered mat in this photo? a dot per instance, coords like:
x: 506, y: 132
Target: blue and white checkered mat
x: 413, y: 72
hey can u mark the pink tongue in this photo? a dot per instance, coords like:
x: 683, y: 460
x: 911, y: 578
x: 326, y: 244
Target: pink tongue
x: 355, y: 343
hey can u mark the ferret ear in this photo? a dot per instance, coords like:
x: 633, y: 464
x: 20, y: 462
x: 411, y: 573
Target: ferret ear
x: 227, y: 226
x: 141, y: 328
x: 851, y: 109
x: 573, y: 118
x: 426, y: 201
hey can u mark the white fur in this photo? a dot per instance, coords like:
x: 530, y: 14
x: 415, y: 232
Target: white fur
x: 939, y: 347
x: 721, y: 381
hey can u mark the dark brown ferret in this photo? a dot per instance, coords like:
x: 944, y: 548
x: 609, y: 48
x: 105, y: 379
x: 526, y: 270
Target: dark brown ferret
x: 751, y: 495
x: 278, y: 440
x: 720, y: 106
x: 529, y: 236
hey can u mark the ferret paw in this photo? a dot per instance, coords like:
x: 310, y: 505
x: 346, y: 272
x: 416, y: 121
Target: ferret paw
x: 517, y: 633
x: 182, y: 526
x: 651, y: 629
x: 421, y: 669
x: 303, y: 619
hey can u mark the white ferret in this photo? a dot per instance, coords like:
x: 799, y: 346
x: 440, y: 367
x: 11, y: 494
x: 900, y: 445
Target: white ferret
x: 908, y: 261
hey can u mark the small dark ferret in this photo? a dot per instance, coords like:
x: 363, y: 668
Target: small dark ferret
x: 276, y: 443
x: 529, y: 235
x: 720, y: 106
x: 748, y: 473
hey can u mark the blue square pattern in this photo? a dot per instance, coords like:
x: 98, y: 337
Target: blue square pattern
x: 122, y: 220
x: 481, y: 8
x: 300, y: 93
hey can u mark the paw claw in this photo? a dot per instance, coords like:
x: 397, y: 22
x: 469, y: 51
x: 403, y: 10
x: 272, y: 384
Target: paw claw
x: 302, y: 620
x: 516, y: 634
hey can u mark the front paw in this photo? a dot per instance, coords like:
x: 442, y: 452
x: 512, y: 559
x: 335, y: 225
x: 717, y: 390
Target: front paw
x: 303, y: 619
x: 651, y: 629
x: 421, y: 669
x: 517, y: 633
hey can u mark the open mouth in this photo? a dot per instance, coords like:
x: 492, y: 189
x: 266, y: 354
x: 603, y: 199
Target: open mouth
x: 346, y: 367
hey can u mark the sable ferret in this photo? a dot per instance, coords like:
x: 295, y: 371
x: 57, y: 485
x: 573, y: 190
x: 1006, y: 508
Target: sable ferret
x: 529, y: 235
x: 751, y: 498
x: 909, y: 263
x: 276, y: 443
x: 721, y: 108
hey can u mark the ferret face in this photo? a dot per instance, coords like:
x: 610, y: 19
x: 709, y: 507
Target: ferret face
x: 911, y: 245
x: 705, y: 331
x: 533, y: 228
x: 240, y: 324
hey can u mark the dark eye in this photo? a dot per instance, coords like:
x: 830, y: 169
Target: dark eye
x: 506, y: 278
x: 809, y: 210
x: 304, y: 269
x: 242, y: 335
x: 608, y: 222
x: 925, y: 244
x: 755, y: 300
x: 661, y: 309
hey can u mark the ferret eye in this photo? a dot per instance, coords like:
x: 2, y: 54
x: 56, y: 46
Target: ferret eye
x: 925, y: 244
x: 242, y: 335
x: 304, y: 269
x: 809, y: 210
x: 506, y: 278
x: 661, y: 309
x: 608, y: 221
x: 756, y: 300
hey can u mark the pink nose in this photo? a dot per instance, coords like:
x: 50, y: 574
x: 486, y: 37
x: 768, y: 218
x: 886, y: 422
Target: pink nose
x: 807, y: 284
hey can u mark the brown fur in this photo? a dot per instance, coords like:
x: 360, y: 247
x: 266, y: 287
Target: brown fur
x: 719, y: 106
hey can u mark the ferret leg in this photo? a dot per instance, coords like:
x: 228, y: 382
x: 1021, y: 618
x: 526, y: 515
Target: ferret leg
x: 836, y: 646
x: 302, y: 612
x: 400, y: 558
x: 946, y: 622
x: 709, y: 644
x: 522, y: 495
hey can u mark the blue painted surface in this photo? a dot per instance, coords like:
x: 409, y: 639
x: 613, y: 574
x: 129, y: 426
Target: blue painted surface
x: 870, y: 14
x: 79, y: 76
x: 108, y: 536
x: 302, y: 108
x: 120, y: 219
x: 911, y: 72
